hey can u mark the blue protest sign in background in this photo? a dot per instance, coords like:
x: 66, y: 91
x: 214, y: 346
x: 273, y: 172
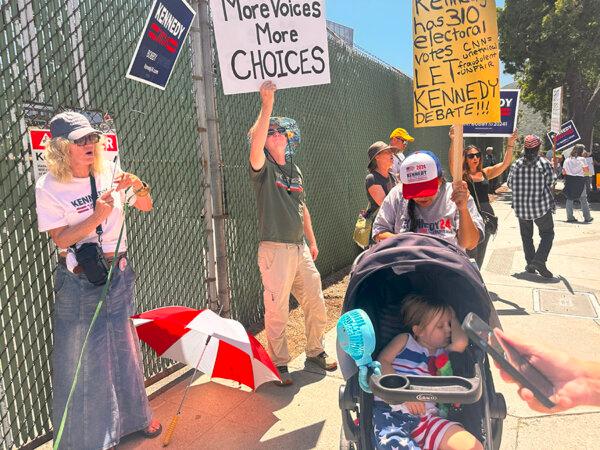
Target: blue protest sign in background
x: 160, y: 44
x: 509, y: 109
x: 567, y: 137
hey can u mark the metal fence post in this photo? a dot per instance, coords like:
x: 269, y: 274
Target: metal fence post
x: 200, y: 100
x: 216, y: 162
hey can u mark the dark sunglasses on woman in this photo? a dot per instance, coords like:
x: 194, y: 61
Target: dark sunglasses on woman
x: 272, y: 131
x: 474, y: 155
x: 89, y: 139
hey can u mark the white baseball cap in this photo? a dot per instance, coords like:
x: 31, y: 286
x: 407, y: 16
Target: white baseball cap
x: 419, y: 174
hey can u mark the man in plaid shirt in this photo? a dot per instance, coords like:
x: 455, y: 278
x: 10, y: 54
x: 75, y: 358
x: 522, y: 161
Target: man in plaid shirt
x: 531, y: 179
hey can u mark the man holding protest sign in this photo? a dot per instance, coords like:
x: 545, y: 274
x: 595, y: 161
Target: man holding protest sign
x: 286, y: 262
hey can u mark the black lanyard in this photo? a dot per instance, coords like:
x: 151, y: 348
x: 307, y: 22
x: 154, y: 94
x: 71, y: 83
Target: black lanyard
x: 286, y: 178
x: 94, y: 198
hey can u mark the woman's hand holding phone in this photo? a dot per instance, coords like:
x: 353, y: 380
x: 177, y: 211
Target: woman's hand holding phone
x: 573, y: 384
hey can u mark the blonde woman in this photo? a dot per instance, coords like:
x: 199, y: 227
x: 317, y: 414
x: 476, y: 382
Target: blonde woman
x: 109, y: 400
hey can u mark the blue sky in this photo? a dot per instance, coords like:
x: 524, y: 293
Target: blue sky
x: 383, y: 28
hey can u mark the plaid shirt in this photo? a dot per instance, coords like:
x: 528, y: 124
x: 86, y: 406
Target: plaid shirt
x: 531, y: 185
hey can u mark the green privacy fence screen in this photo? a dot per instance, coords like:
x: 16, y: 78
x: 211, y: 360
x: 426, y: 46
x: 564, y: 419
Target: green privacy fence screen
x: 57, y: 55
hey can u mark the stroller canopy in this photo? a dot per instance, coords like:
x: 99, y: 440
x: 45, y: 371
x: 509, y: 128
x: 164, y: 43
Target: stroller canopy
x: 411, y: 263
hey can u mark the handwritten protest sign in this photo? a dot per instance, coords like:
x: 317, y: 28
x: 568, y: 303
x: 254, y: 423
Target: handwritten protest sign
x: 456, y: 66
x: 280, y: 40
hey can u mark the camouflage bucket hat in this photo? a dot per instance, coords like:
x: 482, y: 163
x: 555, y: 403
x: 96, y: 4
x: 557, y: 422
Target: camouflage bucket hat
x: 292, y: 133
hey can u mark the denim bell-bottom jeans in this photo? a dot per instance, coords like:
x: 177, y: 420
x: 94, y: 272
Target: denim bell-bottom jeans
x: 110, y: 400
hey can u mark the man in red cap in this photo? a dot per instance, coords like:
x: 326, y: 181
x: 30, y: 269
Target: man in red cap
x: 531, y: 179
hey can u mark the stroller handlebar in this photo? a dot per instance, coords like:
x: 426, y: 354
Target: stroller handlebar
x: 395, y: 388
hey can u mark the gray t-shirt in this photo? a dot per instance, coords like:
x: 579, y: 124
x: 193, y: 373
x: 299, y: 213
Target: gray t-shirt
x: 398, y: 158
x: 280, y: 202
x: 440, y: 219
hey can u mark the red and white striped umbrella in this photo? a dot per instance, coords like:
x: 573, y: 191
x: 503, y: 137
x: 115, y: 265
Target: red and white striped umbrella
x: 181, y: 334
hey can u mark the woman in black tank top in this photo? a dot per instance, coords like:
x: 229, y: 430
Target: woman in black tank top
x: 478, y: 180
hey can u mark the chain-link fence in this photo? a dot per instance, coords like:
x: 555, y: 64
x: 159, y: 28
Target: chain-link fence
x: 57, y: 55
x: 365, y: 101
x: 73, y: 55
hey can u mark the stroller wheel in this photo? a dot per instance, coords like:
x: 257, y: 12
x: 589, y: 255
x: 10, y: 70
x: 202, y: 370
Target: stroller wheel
x: 345, y: 444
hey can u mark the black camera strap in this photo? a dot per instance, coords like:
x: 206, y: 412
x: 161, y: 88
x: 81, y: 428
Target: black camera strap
x: 99, y: 230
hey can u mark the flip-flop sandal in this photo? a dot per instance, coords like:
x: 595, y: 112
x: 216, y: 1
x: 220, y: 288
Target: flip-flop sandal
x: 151, y: 434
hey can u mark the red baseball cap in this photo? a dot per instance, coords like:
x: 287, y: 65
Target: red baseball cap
x: 419, y: 175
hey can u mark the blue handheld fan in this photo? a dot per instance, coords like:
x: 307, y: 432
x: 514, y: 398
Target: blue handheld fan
x: 357, y: 338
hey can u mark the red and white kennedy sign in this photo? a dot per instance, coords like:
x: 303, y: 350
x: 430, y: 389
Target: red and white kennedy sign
x: 39, y: 137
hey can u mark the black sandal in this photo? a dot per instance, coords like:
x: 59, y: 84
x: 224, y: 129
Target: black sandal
x: 151, y: 434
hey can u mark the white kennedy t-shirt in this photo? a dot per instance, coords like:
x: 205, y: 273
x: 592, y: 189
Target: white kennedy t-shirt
x: 66, y: 204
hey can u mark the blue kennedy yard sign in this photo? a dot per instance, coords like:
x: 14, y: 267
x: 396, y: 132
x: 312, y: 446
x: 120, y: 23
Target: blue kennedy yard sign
x: 160, y: 44
x: 509, y: 109
x: 567, y: 137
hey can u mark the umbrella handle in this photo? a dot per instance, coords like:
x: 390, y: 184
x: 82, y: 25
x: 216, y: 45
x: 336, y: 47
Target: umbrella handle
x: 170, y: 430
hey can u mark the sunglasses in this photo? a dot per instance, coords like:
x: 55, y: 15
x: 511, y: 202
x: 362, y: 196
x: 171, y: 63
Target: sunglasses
x: 89, y: 139
x: 474, y: 155
x: 272, y: 131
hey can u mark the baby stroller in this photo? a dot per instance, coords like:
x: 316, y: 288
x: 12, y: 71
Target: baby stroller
x: 380, y: 278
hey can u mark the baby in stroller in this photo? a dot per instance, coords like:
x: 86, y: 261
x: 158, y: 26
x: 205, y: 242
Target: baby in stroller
x: 381, y: 279
x: 434, y: 332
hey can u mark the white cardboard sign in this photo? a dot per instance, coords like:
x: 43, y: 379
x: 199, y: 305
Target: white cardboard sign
x: 556, y: 119
x: 284, y: 41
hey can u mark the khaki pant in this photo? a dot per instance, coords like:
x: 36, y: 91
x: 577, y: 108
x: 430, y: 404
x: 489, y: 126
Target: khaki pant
x: 286, y: 268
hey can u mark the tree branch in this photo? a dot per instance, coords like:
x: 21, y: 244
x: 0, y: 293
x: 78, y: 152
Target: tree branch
x: 594, y: 102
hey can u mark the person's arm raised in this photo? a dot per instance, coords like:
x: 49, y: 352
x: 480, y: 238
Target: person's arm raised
x: 258, y: 132
x: 467, y: 234
x: 497, y: 169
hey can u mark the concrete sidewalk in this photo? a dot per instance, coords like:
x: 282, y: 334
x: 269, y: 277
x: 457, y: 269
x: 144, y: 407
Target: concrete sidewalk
x: 562, y: 312
x: 223, y: 416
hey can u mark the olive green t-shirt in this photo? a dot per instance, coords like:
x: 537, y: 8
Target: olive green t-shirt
x: 280, y: 202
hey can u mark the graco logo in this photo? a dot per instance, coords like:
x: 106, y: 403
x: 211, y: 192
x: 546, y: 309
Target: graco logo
x: 426, y: 397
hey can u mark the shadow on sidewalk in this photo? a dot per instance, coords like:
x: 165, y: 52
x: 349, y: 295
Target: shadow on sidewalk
x: 219, y: 416
x: 536, y: 278
x: 515, y: 311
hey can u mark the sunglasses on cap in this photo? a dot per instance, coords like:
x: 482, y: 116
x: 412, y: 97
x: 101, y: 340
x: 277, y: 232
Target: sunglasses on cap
x: 474, y: 155
x: 272, y: 131
x: 89, y: 139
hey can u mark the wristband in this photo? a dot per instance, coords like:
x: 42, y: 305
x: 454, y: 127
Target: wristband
x: 143, y: 191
